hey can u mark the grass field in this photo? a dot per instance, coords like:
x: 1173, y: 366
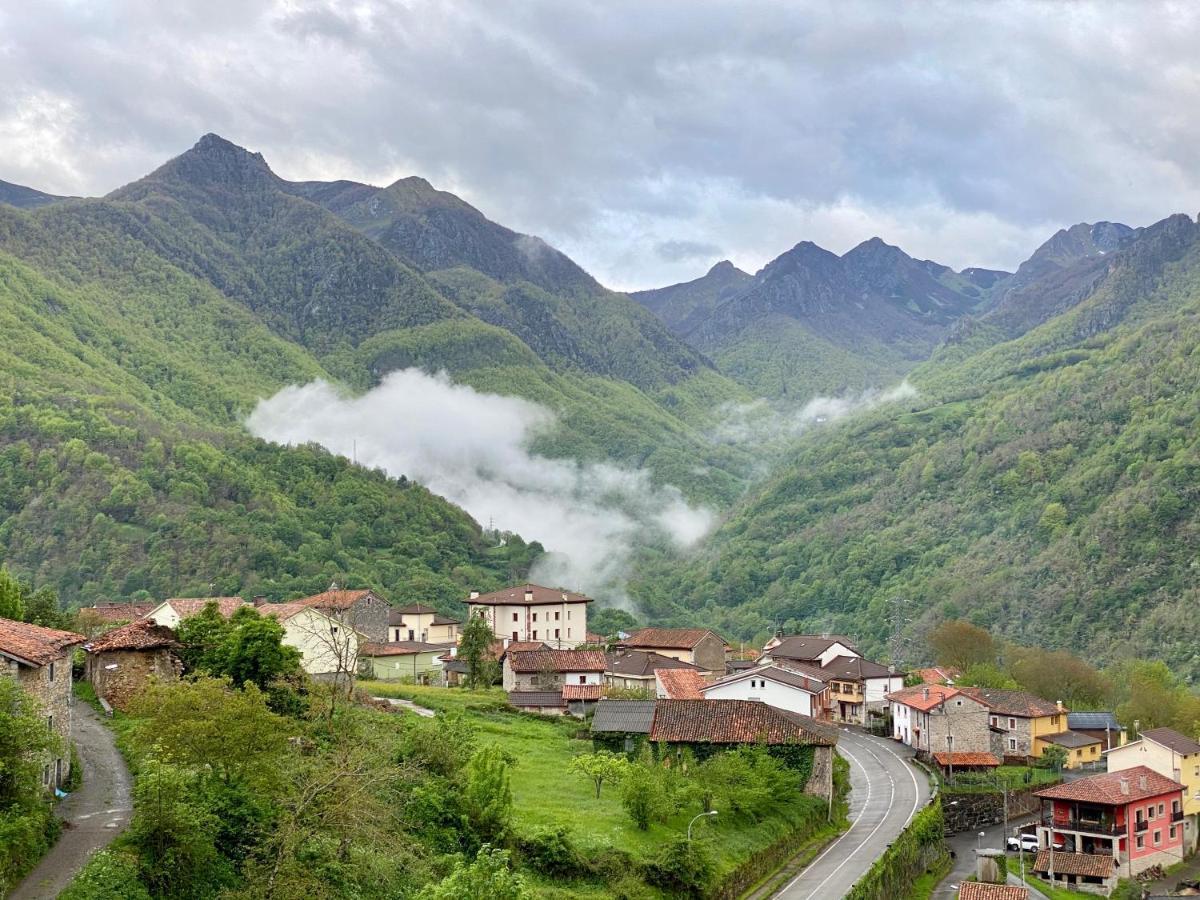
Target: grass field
x: 545, y: 794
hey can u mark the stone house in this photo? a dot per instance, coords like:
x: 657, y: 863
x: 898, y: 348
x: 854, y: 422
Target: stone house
x: 418, y: 622
x: 531, y: 612
x: 933, y: 718
x: 121, y: 662
x: 40, y: 660
x: 698, y: 646
x: 1030, y: 724
x: 362, y: 611
x: 533, y: 678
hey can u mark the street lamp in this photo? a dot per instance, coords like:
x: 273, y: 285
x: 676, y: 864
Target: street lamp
x: 979, y: 838
x: 711, y: 812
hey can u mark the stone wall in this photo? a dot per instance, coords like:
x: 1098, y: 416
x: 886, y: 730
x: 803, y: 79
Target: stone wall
x: 820, y: 782
x: 974, y: 811
x: 50, y: 686
x: 132, y: 670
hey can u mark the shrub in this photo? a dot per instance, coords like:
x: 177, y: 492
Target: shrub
x: 644, y: 795
x: 551, y: 852
x: 683, y: 867
x: 109, y: 875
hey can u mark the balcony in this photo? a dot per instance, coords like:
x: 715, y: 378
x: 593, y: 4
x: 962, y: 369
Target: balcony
x: 1177, y: 815
x: 1106, y: 827
x: 1141, y: 825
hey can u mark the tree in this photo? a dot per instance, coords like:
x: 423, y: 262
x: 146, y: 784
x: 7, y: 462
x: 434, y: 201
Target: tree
x: 487, y: 796
x: 962, y: 645
x: 609, y: 621
x: 986, y: 675
x: 1053, y: 757
x: 474, y: 648
x: 42, y: 608
x: 24, y: 740
x: 600, y: 767
x: 253, y: 651
x: 12, y: 606
x: 644, y: 796
x: 489, y: 877
x: 1058, y: 675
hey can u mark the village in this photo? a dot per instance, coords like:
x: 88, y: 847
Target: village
x: 1082, y: 801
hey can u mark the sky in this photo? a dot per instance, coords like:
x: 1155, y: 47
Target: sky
x: 646, y: 139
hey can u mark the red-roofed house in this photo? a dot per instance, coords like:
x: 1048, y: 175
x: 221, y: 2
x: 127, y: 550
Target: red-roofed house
x: 171, y: 612
x: 39, y: 659
x: 121, y: 662
x: 933, y: 718
x: 533, y: 678
x: 362, y: 610
x: 697, y: 646
x: 530, y: 612
x: 780, y: 686
x: 679, y: 684
x: 327, y: 645
x: 981, y: 890
x: 1134, y: 817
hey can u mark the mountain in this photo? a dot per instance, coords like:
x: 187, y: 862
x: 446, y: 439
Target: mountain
x: 813, y: 322
x: 25, y: 197
x: 1044, y: 486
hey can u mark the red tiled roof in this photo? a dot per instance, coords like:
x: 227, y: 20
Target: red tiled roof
x: 33, y: 644
x: 120, y: 612
x: 399, y: 648
x: 537, y: 594
x: 524, y: 646
x: 981, y: 890
x: 582, y: 691
x: 965, y: 759
x: 593, y: 638
x: 916, y: 697
x: 558, y: 661
x: 1140, y: 782
x: 281, y: 611
x: 939, y: 674
x: 734, y: 722
x: 669, y: 638
x: 680, y: 684
x: 1013, y: 703
x: 140, y: 635
x: 1098, y: 866
x: 186, y: 607
x: 335, y: 598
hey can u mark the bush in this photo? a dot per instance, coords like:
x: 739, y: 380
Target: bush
x: 551, y: 852
x: 645, y: 796
x: 109, y: 875
x: 683, y: 867
x: 25, y: 834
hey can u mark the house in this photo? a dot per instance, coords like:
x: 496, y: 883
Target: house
x: 938, y: 674
x: 96, y: 619
x: 1031, y: 724
x: 361, y: 610
x: 931, y: 718
x: 327, y: 645
x: 39, y: 659
x: 706, y: 727
x: 531, y: 676
x: 1172, y: 755
x: 805, y: 694
x: 1082, y: 751
x: 679, y: 684
x: 634, y: 670
x: 1132, y: 818
x: 1102, y: 726
x: 170, y: 613
x: 857, y: 687
x: 810, y: 649
x: 981, y: 890
x: 530, y: 612
x: 121, y: 662
x: 401, y: 660
x: 418, y: 622
x: 698, y: 646
x: 455, y: 669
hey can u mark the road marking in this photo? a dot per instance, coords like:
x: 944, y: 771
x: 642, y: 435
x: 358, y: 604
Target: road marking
x: 854, y: 759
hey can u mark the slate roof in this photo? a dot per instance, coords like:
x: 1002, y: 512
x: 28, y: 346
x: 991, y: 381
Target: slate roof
x: 624, y: 716
x: 399, y: 648
x: 1099, y: 866
x: 816, y: 673
x: 855, y: 668
x: 186, y: 607
x: 557, y: 661
x: 540, y: 595
x: 807, y: 646
x: 981, y: 890
x: 965, y: 759
x: 120, y: 612
x: 1013, y: 703
x: 1092, y: 721
x: 34, y: 645
x: 669, y: 638
x: 335, y: 598
x: 1172, y: 740
x: 582, y: 691
x: 536, y: 698
x: 680, y: 684
x: 140, y: 635
x: 1142, y: 782
x: 445, y: 620
x: 1069, y: 739
x: 412, y: 609
x: 643, y: 663
x: 734, y: 722
x: 778, y: 674
x: 915, y: 697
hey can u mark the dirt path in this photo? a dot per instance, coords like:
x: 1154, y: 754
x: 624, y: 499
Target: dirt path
x: 409, y: 705
x: 94, y: 815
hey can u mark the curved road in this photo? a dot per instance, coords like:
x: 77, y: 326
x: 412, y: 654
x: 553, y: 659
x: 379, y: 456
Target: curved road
x: 94, y: 814
x: 886, y: 791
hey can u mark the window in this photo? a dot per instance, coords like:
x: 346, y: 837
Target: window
x: 515, y: 619
x: 568, y: 614
x: 515, y: 636
x: 1150, y: 812
x: 1012, y: 743
x: 1157, y: 836
x: 52, y: 671
x: 535, y: 634
x: 1141, y: 841
x: 958, y: 703
x: 1012, y: 724
x: 1172, y: 832
x: 994, y: 721
x: 412, y: 635
x: 556, y: 615
x: 1161, y: 809
x: 535, y: 617
x: 333, y: 629
x: 583, y: 679
x: 556, y: 632
x: 568, y: 632
x: 46, y: 774
x: 50, y: 722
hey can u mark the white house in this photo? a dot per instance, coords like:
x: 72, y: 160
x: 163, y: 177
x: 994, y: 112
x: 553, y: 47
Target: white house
x: 530, y: 612
x: 171, y: 612
x: 812, y: 649
x: 326, y: 645
x: 775, y: 686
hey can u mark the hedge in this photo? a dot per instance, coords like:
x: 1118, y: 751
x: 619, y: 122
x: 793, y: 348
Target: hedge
x: 917, y: 848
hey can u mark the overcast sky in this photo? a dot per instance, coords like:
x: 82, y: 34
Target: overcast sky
x: 646, y: 139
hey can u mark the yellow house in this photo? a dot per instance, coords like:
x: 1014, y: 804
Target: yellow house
x: 422, y: 624
x: 1173, y: 755
x: 1028, y: 725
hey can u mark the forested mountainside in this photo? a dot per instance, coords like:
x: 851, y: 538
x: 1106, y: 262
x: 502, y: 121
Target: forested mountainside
x: 1046, y: 486
x: 24, y: 197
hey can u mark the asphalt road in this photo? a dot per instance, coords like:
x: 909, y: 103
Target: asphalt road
x: 94, y: 814
x: 886, y: 792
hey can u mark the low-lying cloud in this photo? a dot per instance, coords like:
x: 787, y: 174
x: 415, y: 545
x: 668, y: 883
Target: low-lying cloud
x: 473, y: 449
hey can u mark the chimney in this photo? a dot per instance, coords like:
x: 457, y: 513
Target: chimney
x: 1137, y: 727
x: 926, y: 693
x: 1143, y: 784
x: 1059, y: 704
x: 259, y: 601
x: 1125, y: 786
x: 474, y: 594
x: 528, y: 595
x: 1122, y: 738
x: 779, y: 633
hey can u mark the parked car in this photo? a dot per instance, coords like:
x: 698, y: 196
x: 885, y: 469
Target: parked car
x: 1026, y: 842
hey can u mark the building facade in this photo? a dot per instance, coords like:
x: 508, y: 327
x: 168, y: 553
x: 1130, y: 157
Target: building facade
x: 1172, y: 755
x: 530, y: 612
x: 776, y: 686
x: 418, y: 622
x: 122, y: 662
x: 935, y: 718
x: 698, y: 646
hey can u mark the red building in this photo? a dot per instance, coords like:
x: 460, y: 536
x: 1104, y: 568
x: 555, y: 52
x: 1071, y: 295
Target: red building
x: 1133, y: 817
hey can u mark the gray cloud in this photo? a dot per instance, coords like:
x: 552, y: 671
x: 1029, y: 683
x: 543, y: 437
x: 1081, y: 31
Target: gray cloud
x: 676, y: 251
x: 963, y: 132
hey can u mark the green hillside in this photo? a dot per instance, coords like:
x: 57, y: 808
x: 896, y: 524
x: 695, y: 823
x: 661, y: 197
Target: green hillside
x: 1047, y: 487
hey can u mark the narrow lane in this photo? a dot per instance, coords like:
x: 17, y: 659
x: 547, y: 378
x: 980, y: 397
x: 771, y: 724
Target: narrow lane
x: 94, y: 815
x: 886, y: 792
